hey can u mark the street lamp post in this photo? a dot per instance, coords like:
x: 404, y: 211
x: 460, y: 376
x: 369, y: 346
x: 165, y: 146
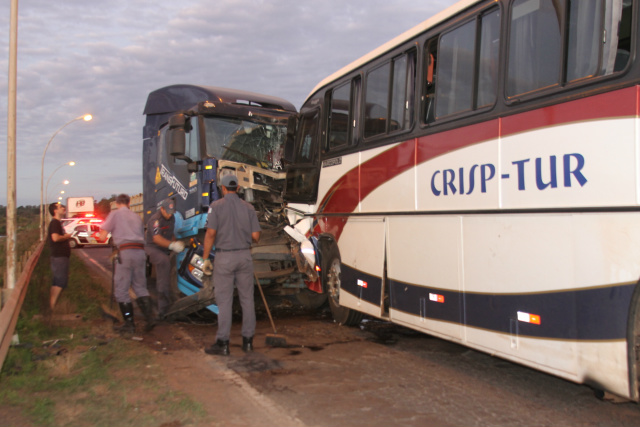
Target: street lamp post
x: 86, y: 118
x: 46, y: 190
x: 46, y: 194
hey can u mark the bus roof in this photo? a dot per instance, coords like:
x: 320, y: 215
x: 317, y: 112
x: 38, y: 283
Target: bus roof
x: 407, y: 35
x: 180, y: 97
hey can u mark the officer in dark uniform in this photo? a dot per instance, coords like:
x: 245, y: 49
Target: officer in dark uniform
x: 232, y: 224
x: 160, y: 242
x: 127, y: 232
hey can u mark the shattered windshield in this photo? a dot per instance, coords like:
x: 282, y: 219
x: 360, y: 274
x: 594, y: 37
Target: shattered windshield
x: 253, y: 143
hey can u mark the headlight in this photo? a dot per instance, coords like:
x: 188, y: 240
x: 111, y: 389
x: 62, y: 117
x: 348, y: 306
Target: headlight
x: 197, y: 261
x: 195, y: 267
x: 198, y: 274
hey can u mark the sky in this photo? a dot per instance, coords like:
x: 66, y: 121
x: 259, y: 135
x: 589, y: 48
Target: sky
x: 103, y: 57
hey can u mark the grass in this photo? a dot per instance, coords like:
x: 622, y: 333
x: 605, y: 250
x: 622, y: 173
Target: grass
x: 78, y: 372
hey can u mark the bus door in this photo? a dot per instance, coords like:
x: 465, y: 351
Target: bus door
x: 424, y: 268
x: 362, y: 249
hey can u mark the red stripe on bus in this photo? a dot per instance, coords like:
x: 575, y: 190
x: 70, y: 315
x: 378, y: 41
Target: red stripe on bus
x: 620, y: 103
x: 357, y: 183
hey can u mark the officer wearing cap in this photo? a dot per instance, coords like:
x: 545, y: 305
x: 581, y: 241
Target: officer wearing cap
x: 127, y: 232
x: 232, y: 224
x: 160, y: 243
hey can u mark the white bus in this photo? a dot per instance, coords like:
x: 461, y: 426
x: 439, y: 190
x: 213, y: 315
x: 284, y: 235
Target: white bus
x: 478, y: 178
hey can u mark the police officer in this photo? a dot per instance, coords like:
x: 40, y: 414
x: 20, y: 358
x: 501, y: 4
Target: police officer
x: 127, y: 232
x: 232, y: 224
x: 160, y: 242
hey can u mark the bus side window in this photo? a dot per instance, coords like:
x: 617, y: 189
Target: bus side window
x: 388, y: 97
x: 616, y: 34
x: 461, y: 68
x: 535, y: 44
x: 376, y: 101
x: 339, y: 117
x: 488, y: 59
x: 308, y: 137
x: 302, y: 174
x: 430, y: 82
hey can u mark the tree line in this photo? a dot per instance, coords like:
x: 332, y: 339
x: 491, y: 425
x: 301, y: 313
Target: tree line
x: 29, y: 216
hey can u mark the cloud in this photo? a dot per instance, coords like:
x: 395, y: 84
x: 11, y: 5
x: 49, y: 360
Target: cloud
x: 104, y: 57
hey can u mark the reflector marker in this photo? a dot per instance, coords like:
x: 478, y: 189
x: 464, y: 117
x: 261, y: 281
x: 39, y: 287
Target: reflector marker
x: 528, y: 318
x: 436, y: 298
x: 362, y: 283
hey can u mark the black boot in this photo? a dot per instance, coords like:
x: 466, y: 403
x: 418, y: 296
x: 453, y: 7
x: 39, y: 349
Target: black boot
x: 128, y: 327
x: 145, y: 305
x: 220, y: 348
x: 247, y: 344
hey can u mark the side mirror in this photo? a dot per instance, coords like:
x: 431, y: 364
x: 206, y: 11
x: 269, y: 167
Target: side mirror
x: 175, y: 135
x: 177, y: 141
x: 177, y: 121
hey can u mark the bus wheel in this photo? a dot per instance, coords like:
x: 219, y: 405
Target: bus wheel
x: 331, y: 278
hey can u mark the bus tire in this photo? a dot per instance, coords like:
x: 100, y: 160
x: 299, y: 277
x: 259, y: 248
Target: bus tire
x: 331, y: 271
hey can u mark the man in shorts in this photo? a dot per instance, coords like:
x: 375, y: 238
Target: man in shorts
x: 60, y: 252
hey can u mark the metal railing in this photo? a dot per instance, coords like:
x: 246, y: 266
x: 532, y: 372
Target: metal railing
x: 11, y: 299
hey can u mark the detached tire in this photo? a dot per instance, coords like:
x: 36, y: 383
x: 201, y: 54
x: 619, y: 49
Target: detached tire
x: 311, y: 300
x: 331, y: 271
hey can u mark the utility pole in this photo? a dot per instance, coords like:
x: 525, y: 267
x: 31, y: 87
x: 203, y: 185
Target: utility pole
x: 10, y: 280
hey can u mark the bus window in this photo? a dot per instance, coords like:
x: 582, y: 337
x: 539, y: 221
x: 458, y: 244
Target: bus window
x: 598, y: 41
x: 535, y: 45
x: 308, y: 135
x: 604, y: 23
x: 616, y: 34
x: 454, y: 92
x: 399, y: 96
x: 585, y: 32
x: 302, y: 175
x: 387, y: 112
x: 376, y: 100
x: 488, y: 58
x: 339, y: 116
x: 468, y: 66
x: 430, y: 81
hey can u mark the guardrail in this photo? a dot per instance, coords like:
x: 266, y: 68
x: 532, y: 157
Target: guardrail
x: 12, y: 301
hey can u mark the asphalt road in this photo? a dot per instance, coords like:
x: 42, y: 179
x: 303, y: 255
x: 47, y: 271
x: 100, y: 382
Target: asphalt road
x: 381, y: 374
